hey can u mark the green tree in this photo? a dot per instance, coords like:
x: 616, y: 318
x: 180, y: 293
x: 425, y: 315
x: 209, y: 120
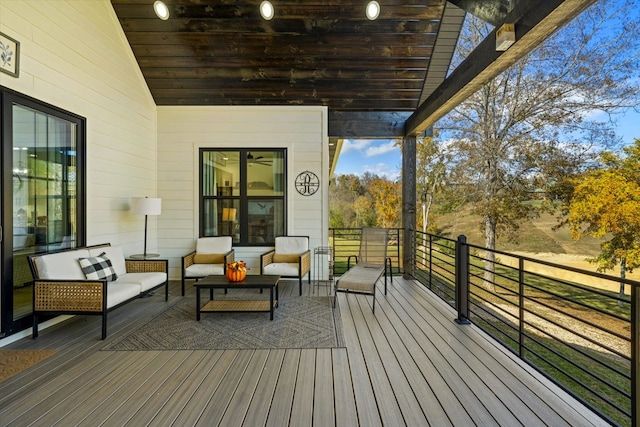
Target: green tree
x: 606, y: 202
x: 535, y: 123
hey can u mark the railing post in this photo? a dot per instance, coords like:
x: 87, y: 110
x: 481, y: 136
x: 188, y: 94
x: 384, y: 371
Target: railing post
x: 462, y: 280
x: 430, y: 260
x: 635, y: 352
x: 521, y: 308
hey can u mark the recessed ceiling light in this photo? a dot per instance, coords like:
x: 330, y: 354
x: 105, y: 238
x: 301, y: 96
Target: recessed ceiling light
x: 266, y: 10
x: 161, y: 10
x: 373, y: 10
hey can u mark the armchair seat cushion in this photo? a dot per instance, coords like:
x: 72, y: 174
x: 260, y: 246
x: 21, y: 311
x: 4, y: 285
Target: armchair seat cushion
x: 282, y: 269
x: 201, y: 270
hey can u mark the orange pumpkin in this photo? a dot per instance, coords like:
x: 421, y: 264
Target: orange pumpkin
x: 236, y: 275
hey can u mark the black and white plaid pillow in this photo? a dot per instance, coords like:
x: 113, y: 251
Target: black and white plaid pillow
x: 98, y: 268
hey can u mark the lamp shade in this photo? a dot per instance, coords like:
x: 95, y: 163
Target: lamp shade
x: 146, y: 205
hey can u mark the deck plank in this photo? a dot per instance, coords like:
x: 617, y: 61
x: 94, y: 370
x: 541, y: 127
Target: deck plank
x: 302, y: 409
x: 345, y: 404
x: 366, y: 406
x: 211, y: 380
x: 264, y: 394
x: 185, y: 391
x: 280, y: 410
x: 323, y: 399
x: 407, y: 364
x: 244, y: 392
x: 513, y: 384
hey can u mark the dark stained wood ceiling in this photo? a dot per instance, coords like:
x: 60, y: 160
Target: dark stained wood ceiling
x: 386, y: 78
x: 313, y: 52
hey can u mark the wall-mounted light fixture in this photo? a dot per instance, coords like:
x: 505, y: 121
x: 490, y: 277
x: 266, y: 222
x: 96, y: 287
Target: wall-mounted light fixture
x: 161, y: 9
x: 373, y: 10
x: 266, y: 10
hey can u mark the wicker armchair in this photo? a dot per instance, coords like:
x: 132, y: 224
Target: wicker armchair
x: 291, y: 258
x: 210, y: 258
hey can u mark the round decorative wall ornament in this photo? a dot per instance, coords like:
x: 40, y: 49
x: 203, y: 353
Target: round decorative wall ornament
x: 307, y: 183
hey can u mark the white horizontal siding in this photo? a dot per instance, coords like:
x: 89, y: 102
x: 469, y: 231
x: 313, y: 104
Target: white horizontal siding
x: 74, y: 55
x: 183, y: 130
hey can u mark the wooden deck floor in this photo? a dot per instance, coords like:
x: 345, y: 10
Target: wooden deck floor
x: 409, y: 364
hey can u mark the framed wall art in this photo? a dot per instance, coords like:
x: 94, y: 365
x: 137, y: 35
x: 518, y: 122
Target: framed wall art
x: 9, y: 55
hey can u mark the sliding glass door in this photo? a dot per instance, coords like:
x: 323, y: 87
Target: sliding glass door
x: 43, y: 195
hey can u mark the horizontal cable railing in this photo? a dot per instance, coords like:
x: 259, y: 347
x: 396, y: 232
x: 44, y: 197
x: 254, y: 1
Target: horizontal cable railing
x: 570, y: 324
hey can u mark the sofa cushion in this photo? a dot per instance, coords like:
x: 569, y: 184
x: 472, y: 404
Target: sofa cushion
x: 208, y: 258
x: 202, y: 270
x: 98, y: 268
x: 120, y: 292
x: 61, y: 265
x: 116, y: 256
x: 146, y: 281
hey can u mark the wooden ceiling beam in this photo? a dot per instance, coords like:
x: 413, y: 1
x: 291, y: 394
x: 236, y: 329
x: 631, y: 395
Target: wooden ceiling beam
x: 367, y: 124
x: 234, y: 49
x: 297, y: 62
x: 535, y: 21
x: 342, y: 104
x: 320, y: 85
x: 267, y: 73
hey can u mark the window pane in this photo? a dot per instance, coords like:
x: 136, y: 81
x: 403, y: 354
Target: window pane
x: 265, y: 173
x: 220, y: 173
x: 221, y: 218
x: 266, y: 220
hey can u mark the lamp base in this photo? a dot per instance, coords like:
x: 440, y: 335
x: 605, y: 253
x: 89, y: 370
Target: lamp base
x: 143, y: 256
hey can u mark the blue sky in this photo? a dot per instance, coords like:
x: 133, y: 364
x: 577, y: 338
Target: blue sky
x: 381, y: 157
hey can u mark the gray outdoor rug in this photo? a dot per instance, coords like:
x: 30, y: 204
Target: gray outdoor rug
x: 298, y: 322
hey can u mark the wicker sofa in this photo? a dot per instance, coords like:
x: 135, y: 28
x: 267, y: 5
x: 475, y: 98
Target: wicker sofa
x: 63, y: 286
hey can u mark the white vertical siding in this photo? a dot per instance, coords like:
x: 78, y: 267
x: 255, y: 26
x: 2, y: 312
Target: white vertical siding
x: 183, y: 130
x: 74, y: 55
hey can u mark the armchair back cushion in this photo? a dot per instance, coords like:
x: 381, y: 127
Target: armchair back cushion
x: 291, y: 245
x: 214, y: 245
x: 208, y: 258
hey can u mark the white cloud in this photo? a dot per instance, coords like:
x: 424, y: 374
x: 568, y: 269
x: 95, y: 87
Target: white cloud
x: 355, y: 145
x: 382, y: 170
x: 381, y: 149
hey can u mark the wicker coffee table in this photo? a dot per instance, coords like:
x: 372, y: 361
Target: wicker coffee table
x: 250, y: 282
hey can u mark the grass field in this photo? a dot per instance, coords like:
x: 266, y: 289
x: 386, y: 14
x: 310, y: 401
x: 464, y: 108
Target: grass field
x: 535, y: 238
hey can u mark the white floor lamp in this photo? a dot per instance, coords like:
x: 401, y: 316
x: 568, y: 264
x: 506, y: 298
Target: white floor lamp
x: 146, y: 206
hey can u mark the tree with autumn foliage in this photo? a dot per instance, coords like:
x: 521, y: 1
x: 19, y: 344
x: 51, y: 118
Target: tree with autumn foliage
x: 387, y: 198
x: 365, y: 201
x: 606, y: 203
x: 535, y: 123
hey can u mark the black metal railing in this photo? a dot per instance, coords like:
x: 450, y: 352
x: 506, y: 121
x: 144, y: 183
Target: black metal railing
x: 572, y: 325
